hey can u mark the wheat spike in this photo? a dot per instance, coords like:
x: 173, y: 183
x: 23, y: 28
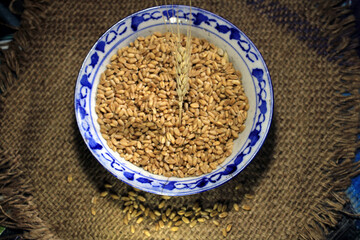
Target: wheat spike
x: 182, y: 65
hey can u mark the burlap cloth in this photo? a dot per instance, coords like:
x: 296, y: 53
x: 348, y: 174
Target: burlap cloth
x: 297, y: 178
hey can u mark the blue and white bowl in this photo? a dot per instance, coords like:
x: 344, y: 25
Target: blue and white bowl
x: 242, y: 53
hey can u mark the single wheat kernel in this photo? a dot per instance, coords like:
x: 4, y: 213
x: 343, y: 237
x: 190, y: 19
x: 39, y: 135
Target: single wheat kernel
x: 115, y: 196
x: 94, y: 200
x: 228, y: 228
x: 236, y: 207
x: 246, y: 207
x: 104, y: 194
x: 93, y: 211
x: 69, y: 178
x: 157, y: 227
x: 214, y: 213
x: 139, y: 220
x: 224, y: 233
x: 162, y: 204
x: 125, y: 199
x: 193, y: 223
x: 223, y: 215
x: 107, y: 185
x: 188, y: 214
x: 132, y: 229
x: 238, y: 187
x: 216, y: 222
x: 141, y: 198
x: 174, y: 229
x: 152, y: 215
x: 147, y: 233
x: 168, y: 212
x: 133, y: 194
x: 249, y: 196
x: 201, y: 220
x: 126, y: 220
x: 181, y: 212
x: 178, y: 223
x: 170, y: 223
x: 185, y: 220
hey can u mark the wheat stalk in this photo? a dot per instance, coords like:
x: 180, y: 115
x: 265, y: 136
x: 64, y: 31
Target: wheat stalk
x: 182, y: 65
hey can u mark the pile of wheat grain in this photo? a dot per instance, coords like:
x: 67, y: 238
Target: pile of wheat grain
x: 138, y: 108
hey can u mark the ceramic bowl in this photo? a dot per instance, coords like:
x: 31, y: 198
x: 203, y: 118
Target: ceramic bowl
x: 245, y: 57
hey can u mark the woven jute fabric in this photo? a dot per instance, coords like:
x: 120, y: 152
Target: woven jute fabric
x: 297, y: 179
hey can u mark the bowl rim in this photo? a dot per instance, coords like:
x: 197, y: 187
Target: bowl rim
x: 198, y: 190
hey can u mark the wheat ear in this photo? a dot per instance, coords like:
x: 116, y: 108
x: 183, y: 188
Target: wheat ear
x: 182, y: 60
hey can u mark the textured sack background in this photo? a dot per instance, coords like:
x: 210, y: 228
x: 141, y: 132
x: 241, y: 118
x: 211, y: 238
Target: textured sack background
x: 296, y: 178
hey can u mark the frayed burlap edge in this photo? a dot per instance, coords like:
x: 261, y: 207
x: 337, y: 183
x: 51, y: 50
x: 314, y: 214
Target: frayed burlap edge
x: 14, y: 58
x: 17, y: 208
x: 339, y: 24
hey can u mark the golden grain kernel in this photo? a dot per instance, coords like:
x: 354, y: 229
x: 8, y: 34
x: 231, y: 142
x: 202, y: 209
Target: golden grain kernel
x: 216, y: 222
x: 181, y: 212
x: 238, y: 187
x: 162, y: 204
x: 188, y: 214
x: 214, y: 213
x: 174, y: 229
x: 178, y: 223
x: 249, y: 196
x: 94, y: 200
x: 147, y: 233
x: 69, y: 178
x: 172, y: 215
x: 142, y: 207
x: 104, y: 194
x: 236, y: 207
x: 161, y: 224
x: 228, y: 227
x: 224, y: 233
x: 141, y: 198
x: 93, y: 211
x: 125, y: 199
x: 170, y: 223
x: 223, y: 215
x: 157, y: 213
x: 126, y: 220
x: 115, y: 196
x: 201, y: 220
x: 139, y: 220
x: 133, y: 194
x: 193, y: 223
x: 185, y: 220
x: 168, y: 212
x: 152, y: 215
x: 107, y: 185
x: 246, y: 207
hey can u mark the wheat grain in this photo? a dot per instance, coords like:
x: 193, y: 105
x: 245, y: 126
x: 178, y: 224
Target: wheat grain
x: 214, y: 106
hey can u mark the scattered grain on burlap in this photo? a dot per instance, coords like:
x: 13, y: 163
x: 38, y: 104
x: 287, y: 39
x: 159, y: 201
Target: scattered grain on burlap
x: 291, y: 178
